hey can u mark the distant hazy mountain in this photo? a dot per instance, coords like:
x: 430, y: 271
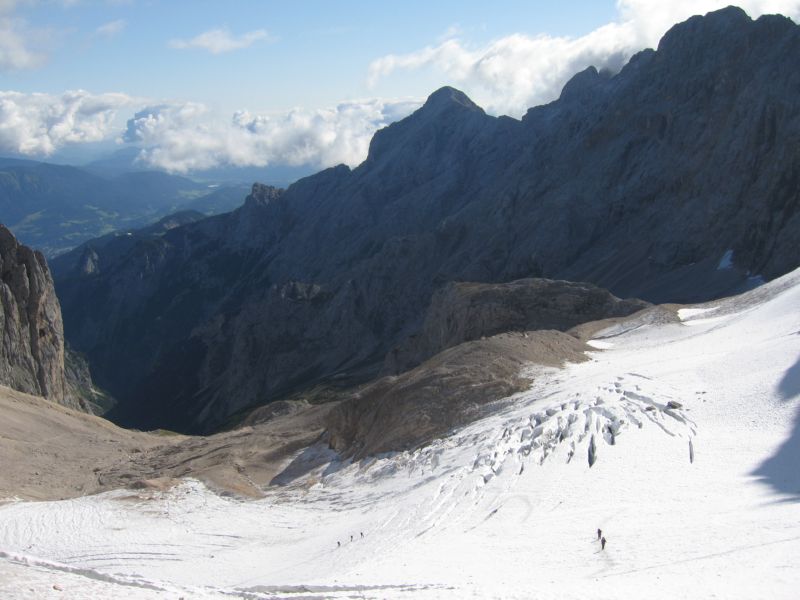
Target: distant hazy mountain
x: 220, y: 199
x: 118, y: 162
x: 276, y: 175
x: 675, y: 180
x: 55, y: 207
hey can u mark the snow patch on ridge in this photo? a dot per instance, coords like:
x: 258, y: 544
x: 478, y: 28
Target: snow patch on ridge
x: 726, y: 262
x: 599, y: 344
x: 686, y: 314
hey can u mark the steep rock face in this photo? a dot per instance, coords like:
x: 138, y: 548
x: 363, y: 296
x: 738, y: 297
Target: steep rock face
x: 461, y: 312
x: 32, y: 351
x: 680, y: 147
x: 674, y: 180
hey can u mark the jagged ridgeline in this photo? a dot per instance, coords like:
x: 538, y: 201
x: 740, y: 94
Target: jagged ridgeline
x: 676, y: 179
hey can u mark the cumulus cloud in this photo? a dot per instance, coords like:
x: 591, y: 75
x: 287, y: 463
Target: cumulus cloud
x: 111, y: 28
x: 38, y: 124
x: 219, y: 41
x: 506, y: 76
x: 185, y: 137
x: 516, y: 72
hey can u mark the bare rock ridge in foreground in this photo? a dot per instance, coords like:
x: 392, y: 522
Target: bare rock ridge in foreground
x: 674, y: 180
x: 32, y: 351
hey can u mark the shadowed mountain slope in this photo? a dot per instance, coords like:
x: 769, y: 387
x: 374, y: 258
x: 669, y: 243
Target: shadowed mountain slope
x: 675, y: 180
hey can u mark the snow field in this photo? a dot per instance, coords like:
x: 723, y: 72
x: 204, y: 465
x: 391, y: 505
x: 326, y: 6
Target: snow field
x: 507, y: 507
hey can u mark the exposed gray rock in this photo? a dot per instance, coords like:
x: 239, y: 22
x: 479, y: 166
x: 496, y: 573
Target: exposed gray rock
x: 89, y: 261
x: 447, y: 391
x: 32, y: 351
x: 461, y: 312
x: 639, y: 182
x: 262, y: 195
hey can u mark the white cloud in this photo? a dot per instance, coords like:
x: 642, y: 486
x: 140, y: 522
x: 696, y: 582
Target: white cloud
x: 38, y: 124
x: 516, y: 72
x: 111, y: 28
x: 19, y: 44
x: 506, y: 76
x: 185, y: 137
x: 219, y: 41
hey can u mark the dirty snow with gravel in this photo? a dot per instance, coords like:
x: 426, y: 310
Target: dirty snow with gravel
x: 680, y: 441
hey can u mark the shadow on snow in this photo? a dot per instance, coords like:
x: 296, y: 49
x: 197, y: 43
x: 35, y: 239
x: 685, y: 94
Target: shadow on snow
x: 782, y: 471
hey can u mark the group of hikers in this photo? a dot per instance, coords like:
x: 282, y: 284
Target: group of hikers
x: 352, y: 538
x: 601, y: 539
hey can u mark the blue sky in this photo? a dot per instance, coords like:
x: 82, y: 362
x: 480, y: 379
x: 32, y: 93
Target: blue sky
x: 315, y: 53
x: 198, y: 84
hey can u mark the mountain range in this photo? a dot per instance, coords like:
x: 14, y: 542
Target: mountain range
x: 54, y: 208
x: 674, y: 180
x: 569, y: 341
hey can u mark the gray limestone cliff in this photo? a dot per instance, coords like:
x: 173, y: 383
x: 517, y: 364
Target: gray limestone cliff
x: 32, y: 351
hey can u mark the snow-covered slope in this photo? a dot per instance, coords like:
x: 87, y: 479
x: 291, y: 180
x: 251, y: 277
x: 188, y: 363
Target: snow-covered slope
x: 696, y: 501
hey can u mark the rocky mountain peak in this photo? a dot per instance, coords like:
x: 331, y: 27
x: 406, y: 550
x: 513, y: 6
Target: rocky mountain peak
x: 262, y: 195
x: 448, y: 98
x: 583, y: 84
x: 706, y: 30
x: 447, y: 119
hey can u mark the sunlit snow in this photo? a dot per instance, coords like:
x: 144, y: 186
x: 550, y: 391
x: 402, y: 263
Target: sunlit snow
x: 680, y: 443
